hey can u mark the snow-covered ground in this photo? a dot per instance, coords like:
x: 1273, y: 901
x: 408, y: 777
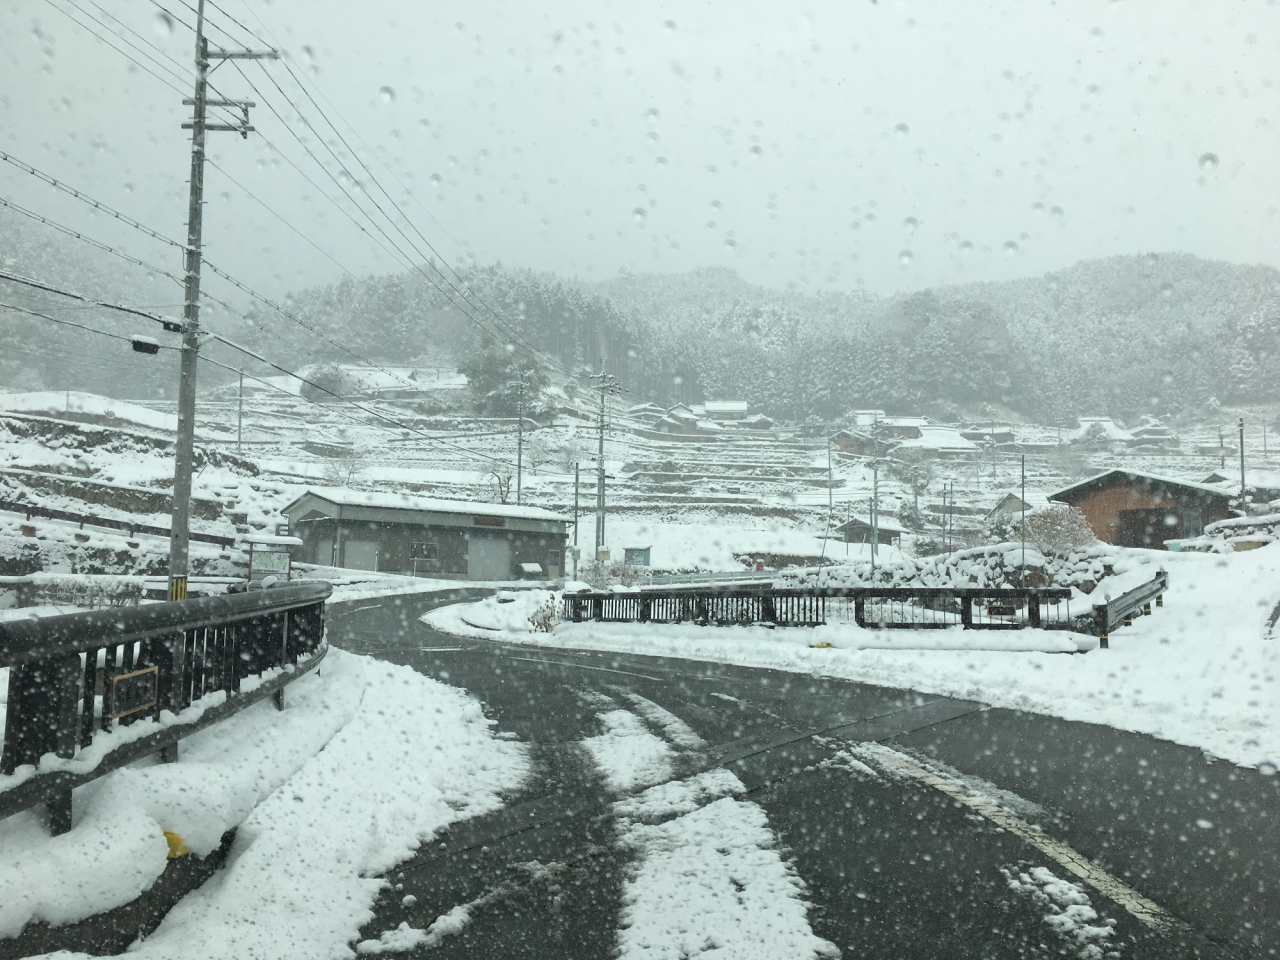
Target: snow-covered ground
x: 1202, y: 671
x: 104, y: 409
x: 368, y: 761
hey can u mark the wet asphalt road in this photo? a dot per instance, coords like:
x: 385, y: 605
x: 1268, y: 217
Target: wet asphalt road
x: 894, y: 867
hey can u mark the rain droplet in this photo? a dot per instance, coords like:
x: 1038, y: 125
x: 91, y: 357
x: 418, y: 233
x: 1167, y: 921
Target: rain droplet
x: 509, y: 347
x: 424, y: 123
x: 1208, y: 161
x: 434, y: 180
x: 163, y: 24
x: 966, y: 246
x: 1037, y: 207
x: 902, y: 129
x: 910, y: 224
x: 1166, y: 290
x: 387, y: 94
x: 1267, y: 768
x: 669, y: 26
x: 638, y: 215
x: 1010, y: 248
x: 652, y: 115
x: 1056, y: 212
x: 905, y: 257
x: 716, y: 205
x: 756, y: 150
x: 730, y: 243
x: 308, y: 54
x: 660, y: 161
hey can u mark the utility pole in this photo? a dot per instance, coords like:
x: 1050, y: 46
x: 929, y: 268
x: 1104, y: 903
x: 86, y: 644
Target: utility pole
x: 1222, y: 451
x: 519, y: 437
x: 608, y: 384
x: 1023, y: 525
x: 875, y: 512
x: 1242, y: 484
x: 179, y: 532
x: 575, y: 520
x: 240, y: 415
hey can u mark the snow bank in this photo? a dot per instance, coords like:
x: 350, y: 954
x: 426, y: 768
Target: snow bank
x: 1204, y: 670
x: 369, y: 760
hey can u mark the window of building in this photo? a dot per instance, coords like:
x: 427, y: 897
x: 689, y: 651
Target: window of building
x: 425, y: 551
x: 1191, y: 525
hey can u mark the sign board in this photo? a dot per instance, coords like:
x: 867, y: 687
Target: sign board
x: 131, y: 692
x: 999, y: 608
x: 482, y: 520
x: 273, y: 561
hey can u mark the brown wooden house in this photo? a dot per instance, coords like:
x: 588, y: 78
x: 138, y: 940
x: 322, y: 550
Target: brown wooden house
x: 1132, y: 509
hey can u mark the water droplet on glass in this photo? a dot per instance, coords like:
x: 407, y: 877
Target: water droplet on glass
x: 1208, y: 161
x: 902, y: 129
x: 716, y: 205
x: 639, y: 215
x: 1037, y: 207
x: 1166, y: 290
x: 128, y: 188
x: 163, y: 24
x: 910, y: 224
x: 1267, y: 768
x: 905, y: 257
x: 1010, y: 248
x: 966, y: 246
x: 424, y: 123
x: 308, y: 54
x: 434, y: 180
x: 660, y: 161
x: 756, y: 150
x: 652, y: 115
x: 669, y: 26
x: 1056, y: 212
x: 387, y: 94
x: 677, y: 379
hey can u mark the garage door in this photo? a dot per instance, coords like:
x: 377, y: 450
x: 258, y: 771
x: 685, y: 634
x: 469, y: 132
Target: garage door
x: 360, y: 554
x: 489, y: 558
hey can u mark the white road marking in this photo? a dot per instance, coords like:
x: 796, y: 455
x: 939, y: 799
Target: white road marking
x: 583, y: 666
x: 1116, y: 890
x: 441, y: 649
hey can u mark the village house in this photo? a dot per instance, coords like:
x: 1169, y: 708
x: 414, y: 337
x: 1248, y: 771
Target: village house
x: 887, y: 532
x: 856, y: 443
x: 1099, y: 432
x: 1132, y: 509
x: 422, y: 536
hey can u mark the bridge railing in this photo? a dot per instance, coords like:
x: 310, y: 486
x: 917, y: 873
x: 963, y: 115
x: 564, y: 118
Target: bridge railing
x: 973, y: 608
x: 91, y: 692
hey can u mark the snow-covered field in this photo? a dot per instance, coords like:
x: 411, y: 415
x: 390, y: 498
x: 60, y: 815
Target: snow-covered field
x: 1202, y: 671
x: 368, y: 761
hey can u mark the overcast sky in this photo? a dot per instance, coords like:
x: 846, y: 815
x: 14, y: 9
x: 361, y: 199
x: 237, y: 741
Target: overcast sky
x: 888, y: 145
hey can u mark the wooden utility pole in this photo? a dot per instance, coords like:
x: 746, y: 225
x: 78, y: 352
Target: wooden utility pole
x: 575, y: 520
x: 1243, y: 488
x: 240, y: 415
x: 519, y: 438
x: 179, y: 531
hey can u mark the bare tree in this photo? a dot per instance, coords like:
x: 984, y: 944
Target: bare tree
x: 500, y: 480
x: 343, y: 468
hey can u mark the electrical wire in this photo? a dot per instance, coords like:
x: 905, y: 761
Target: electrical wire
x: 48, y: 288
x: 72, y: 323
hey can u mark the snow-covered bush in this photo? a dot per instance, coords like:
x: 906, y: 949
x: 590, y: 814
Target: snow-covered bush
x: 1058, y: 530
x: 545, y: 618
x: 603, y: 574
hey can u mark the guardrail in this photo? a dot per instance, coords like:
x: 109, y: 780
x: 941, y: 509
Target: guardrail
x: 91, y: 692
x: 1121, y: 611
x: 32, y: 510
x: 972, y: 608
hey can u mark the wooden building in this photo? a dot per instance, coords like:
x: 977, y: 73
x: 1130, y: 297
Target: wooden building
x: 856, y: 443
x: 888, y: 531
x: 1132, y: 509
x: 421, y: 536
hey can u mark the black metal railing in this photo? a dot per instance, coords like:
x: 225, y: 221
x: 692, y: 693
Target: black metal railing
x: 972, y: 608
x: 30, y: 510
x: 1122, y: 610
x: 76, y: 679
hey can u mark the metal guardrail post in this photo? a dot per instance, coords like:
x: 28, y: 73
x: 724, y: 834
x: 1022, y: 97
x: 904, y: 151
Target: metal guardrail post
x: 1033, y: 611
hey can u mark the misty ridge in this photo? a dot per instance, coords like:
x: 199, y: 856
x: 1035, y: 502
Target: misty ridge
x: 1170, y: 335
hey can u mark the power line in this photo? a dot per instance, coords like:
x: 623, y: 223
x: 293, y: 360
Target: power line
x: 71, y: 323
x: 170, y: 325
x: 173, y: 71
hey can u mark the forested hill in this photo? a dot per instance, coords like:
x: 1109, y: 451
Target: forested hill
x: 1168, y: 334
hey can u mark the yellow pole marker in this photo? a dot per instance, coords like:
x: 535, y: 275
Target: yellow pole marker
x: 1144, y: 910
x: 176, y: 847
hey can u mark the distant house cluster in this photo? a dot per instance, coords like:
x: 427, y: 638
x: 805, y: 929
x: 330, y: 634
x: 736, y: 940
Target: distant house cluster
x: 710, y: 418
x: 876, y: 434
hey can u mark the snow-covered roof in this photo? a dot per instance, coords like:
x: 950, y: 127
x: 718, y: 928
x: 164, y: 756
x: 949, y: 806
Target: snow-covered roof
x: 1266, y: 479
x: 887, y: 524
x: 343, y: 497
x: 865, y: 418
x: 1150, y: 477
x: 682, y: 411
x: 935, y: 437
x: 271, y: 540
x: 1011, y: 502
x: 1110, y: 430
x: 921, y: 422
x: 726, y: 406
x: 709, y: 425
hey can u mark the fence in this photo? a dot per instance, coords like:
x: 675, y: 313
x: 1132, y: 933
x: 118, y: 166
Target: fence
x: 1121, y: 611
x: 31, y: 510
x: 79, y: 680
x: 973, y: 608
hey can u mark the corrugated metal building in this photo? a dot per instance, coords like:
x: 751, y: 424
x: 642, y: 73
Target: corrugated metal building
x: 422, y: 536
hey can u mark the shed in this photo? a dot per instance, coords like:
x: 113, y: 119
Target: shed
x: 1132, y: 509
x: 1011, y: 504
x: 857, y: 530
x: 856, y: 443
x: 422, y: 536
x: 940, y: 441
x: 1263, y: 485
